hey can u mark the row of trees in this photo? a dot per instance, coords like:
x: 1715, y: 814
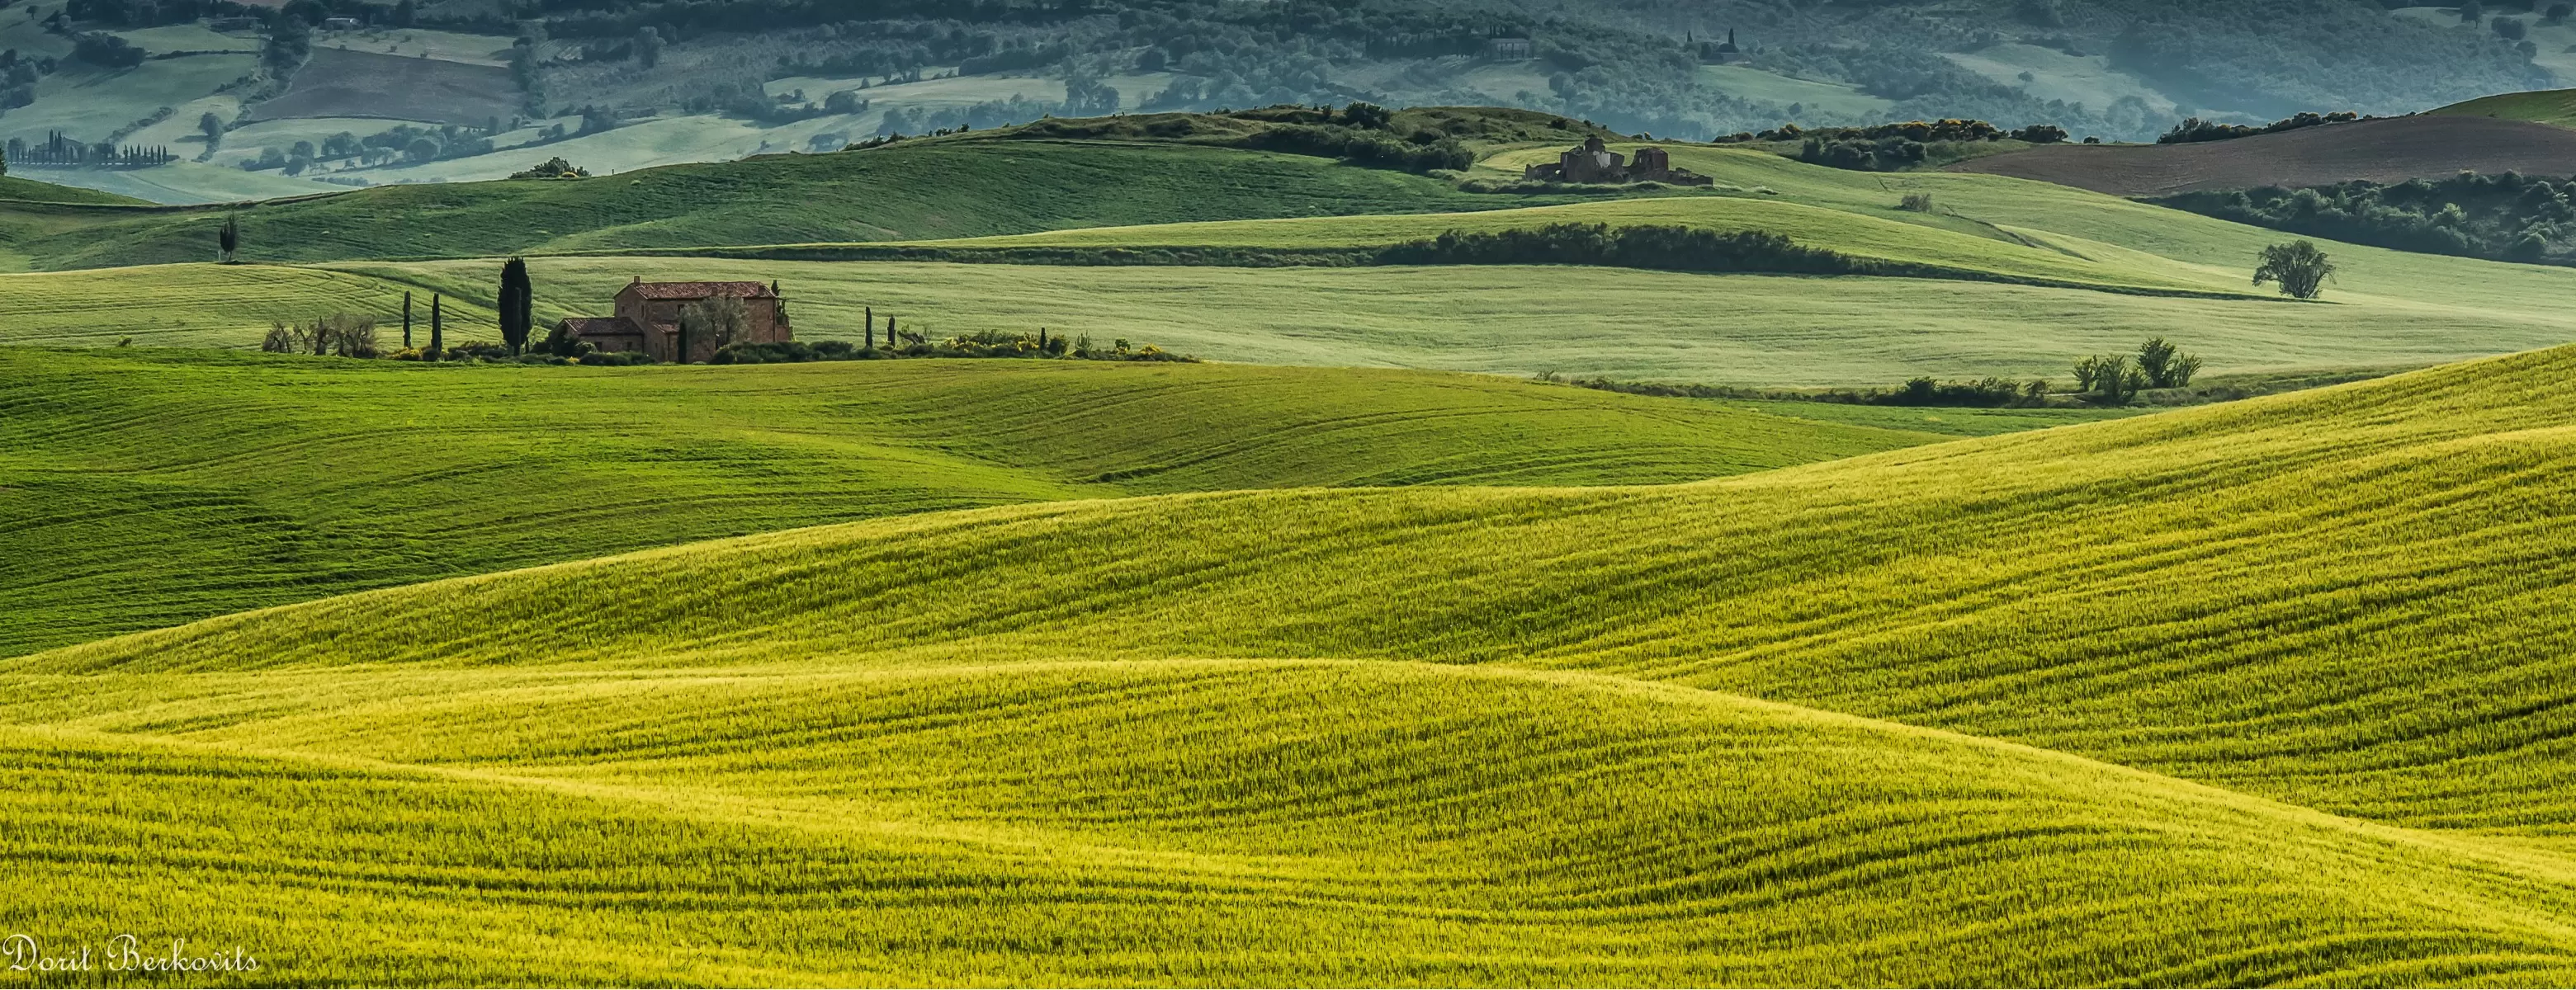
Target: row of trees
x: 2504, y: 217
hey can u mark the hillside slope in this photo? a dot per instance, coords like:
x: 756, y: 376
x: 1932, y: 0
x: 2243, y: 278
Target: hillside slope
x: 143, y: 489
x: 2551, y: 106
x: 1435, y: 736
x: 30, y: 190
x: 2346, y: 598
x: 1188, y: 823
x: 914, y: 190
x: 2394, y: 150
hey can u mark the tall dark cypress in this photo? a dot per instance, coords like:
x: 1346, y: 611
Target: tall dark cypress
x: 518, y: 299
x: 872, y: 327
x: 437, y: 340
x: 406, y: 319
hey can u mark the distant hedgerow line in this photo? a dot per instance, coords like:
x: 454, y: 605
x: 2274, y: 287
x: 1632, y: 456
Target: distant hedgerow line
x: 1652, y: 247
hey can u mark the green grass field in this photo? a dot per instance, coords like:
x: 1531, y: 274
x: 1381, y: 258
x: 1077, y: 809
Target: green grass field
x: 922, y: 190
x: 1744, y: 330
x: 1280, y: 670
x: 2260, y: 693
x: 148, y: 487
x: 2386, y: 308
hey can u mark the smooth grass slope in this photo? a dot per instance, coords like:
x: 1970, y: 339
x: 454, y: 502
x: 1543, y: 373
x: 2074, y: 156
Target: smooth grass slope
x: 2343, y: 598
x: 1520, y: 320
x: 906, y: 192
x: 2296, y: 665
x: 150, y: 488
x: 1179, y: 822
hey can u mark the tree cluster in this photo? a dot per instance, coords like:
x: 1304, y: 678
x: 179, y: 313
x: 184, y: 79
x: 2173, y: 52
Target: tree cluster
x: 340, y: 335
x: 2194, y: 129
x: 2505, y: 217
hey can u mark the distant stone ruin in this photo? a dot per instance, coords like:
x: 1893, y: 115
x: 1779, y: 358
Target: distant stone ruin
x: 1723, y: 52
x: 1596, y: 163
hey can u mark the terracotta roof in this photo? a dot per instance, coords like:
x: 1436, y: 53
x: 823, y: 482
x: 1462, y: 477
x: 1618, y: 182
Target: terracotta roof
x: 601, y: 326
x: 699, y: 290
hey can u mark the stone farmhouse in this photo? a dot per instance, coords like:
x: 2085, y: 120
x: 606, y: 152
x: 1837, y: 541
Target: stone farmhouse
x: 1595, y: 162
x: 648, y: 318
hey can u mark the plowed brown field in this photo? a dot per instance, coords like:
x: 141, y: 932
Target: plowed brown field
x: 2424, y: 147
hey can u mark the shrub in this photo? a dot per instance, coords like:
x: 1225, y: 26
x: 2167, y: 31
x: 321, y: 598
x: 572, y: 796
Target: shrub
x: 2165, y: 366
x: 565, y: 345
x: 1916, y: 203
x: 553, y: 168
x: 2108, y: 379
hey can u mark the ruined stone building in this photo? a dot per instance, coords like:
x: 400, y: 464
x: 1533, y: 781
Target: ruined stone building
x: 1723, y: 52
x: 648, y: 318
x: 1594, y: 162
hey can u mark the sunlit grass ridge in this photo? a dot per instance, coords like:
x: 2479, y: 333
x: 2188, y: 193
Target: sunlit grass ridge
x: 1471, y: 735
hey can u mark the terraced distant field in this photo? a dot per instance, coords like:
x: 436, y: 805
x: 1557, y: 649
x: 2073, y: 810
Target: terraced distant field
x: 2259, y: 693
x: 146, y: 487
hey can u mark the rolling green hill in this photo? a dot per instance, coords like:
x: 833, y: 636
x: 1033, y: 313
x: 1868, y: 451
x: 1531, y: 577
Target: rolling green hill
x: 1174, y: 822
x: 911, y: 191
x: 146, y: 488
x: 1742, y: 329
x: 2553, y: 106
x: 24, y: 189
x: 2387, y: 307
x: 1438, y: 735
x: 2214, y: 593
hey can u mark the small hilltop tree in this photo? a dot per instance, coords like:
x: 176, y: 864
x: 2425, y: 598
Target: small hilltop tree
x: 518, y: 302
x: 228, y: 240
x: 2301, y: 269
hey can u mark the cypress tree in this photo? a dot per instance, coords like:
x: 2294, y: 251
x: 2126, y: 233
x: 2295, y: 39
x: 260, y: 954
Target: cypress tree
x: 872, y: 328
x: 437, y: 340
x: 406, y: 319
x: 229, y: 238
x: 518, y: 300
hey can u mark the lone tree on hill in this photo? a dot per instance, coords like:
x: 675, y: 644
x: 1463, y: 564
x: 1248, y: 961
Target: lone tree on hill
x: 2301, y: 269
x: 228, y: 240
x: 518, y: 301
x: 437, y: 327
x: 406, y: 319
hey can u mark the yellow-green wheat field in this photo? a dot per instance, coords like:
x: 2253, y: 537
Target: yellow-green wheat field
x: 2269, y: 692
